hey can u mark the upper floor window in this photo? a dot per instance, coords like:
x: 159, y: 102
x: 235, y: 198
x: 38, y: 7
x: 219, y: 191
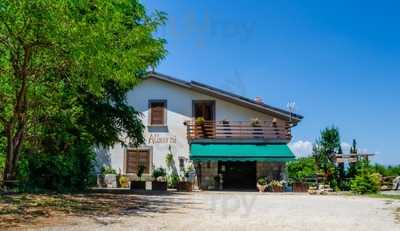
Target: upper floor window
x: 158, y: 112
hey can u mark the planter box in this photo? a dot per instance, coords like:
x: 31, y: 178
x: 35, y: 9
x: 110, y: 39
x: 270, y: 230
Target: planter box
x: 138, y: 185
x: 158, y: 186
x: 185, y: 186
x: 100, y: 181
x: 300, y: 187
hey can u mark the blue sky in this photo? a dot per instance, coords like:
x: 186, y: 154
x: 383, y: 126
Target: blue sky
x: 339, y: 61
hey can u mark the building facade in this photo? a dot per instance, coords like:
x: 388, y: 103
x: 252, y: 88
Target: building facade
x: 229, y: 139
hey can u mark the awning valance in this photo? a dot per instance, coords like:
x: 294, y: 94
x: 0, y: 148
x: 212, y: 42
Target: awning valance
x: 241, y: 152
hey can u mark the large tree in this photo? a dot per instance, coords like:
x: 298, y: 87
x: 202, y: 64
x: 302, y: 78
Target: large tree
x: 71, y: 63
x: 324, y: 152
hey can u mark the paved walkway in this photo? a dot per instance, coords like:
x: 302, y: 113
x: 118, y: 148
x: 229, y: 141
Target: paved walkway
x: 251, y: 211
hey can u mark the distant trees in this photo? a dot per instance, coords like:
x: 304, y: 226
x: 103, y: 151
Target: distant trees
x: 361, y: 176
x: 352, y: 170
x: 324, y: 152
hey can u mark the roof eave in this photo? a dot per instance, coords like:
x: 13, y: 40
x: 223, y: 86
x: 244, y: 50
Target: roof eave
x: 205, y: 89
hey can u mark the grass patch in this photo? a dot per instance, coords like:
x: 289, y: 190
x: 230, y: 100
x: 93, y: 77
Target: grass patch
x: 383, y: 196
x: 371, y: 195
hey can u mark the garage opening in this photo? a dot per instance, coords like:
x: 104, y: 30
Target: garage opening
x: 238, y: 174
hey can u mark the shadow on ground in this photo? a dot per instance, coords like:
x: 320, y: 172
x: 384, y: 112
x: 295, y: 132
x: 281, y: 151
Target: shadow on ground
x: 21, y: 209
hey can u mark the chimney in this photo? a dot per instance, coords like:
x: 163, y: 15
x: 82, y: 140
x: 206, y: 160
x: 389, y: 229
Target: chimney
x: 259, y: 100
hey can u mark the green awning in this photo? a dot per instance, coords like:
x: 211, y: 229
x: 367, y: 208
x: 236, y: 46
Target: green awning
x: 241, y: 152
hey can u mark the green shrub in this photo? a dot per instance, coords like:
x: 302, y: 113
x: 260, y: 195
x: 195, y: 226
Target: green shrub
x: 301, y: 168
x: 69, y: 172
x: 159, y: 172
x: 172, y: 180
x: 107, y: 170
x: 141, y: 169
x: 262, y: 181
x: 367, y: 183
x: 386, y: 171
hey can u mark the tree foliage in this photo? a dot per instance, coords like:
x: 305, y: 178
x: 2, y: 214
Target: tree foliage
x: 366, y: 179
x: 300, y: 169
x: 65, y: 69
x: 324, y: 151
x: 369, y: 183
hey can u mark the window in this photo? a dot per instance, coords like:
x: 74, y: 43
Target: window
x: 158, y: 113
x: 135, y: 158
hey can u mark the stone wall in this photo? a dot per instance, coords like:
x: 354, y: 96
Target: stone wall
x: 206, y: 171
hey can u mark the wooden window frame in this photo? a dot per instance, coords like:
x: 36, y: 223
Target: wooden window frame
x: 146, y: 148
x: 164, y: 101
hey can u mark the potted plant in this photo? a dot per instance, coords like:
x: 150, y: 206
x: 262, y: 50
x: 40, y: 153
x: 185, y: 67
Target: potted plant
x: 172, y: 181
x: 172, y: 173
x: 257, y: 130
x: 262, y: 184
x: 123, y: 182
x: 200, y: 121
x: 276, y: 186
x: 300, y: 187
x: 184, y: 183
x: 159, y: 183
x: 108, y: 177
x: 255, y: 122
x: 139, y: 184
x: 185, y: 186
x: 299, y: 171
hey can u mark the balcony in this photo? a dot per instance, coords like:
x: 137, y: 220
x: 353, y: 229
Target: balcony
x: 264, y: 131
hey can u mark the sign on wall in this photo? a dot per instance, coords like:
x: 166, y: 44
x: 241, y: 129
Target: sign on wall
x: 157, y: 138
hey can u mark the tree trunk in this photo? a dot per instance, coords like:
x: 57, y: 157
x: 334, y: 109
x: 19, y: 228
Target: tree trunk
x: 12, y: 154
x: 15, y: 127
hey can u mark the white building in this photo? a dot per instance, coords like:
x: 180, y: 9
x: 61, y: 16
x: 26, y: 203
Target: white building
x: 237, y: 138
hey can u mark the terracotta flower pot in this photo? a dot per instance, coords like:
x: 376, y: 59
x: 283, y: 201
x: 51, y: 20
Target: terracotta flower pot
x: 277, y: 189
x: 300, y: 187
x: 184, y: 186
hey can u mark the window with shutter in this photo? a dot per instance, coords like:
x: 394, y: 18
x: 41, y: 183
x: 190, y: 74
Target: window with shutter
x: 157, y: 110
x: 136, y: 158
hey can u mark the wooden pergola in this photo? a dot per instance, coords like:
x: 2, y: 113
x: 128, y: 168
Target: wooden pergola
x: 352, y: 158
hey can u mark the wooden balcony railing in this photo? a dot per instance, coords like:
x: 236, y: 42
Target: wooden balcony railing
x: 263, y: 130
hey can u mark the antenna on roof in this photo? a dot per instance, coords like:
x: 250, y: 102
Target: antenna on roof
x: 291, y: 107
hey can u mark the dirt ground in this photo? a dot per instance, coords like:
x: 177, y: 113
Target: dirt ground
x: 206, y: 211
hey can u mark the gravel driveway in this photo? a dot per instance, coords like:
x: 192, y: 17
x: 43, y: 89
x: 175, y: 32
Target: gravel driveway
x: 250, y: 211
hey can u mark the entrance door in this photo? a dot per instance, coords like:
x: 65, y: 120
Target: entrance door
x: 238, y: 174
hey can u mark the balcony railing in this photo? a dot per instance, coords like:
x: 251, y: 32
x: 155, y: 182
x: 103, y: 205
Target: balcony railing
x: 262, y: 130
